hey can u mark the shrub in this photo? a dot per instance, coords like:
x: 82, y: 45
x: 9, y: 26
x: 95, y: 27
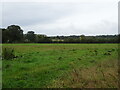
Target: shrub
x: 8, y: 53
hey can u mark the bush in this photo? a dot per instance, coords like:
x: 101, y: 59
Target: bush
x: 8, y: 53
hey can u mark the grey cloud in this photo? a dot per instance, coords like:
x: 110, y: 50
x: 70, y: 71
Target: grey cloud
x: 33, y: 13
x: 38, y: 16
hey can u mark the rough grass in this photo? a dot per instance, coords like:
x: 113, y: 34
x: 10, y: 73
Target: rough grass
x: 103, y: 75
x: 61, y: 65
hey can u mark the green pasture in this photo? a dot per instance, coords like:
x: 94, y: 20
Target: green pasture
x: 39, y: 65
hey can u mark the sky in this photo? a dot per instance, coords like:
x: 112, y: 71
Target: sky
x: 61, y: 17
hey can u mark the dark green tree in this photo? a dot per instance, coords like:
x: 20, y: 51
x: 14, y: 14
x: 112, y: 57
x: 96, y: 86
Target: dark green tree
x: 30, y: 36
x: 42, y: 39
x: 15, y: 33
x: 5, y: 35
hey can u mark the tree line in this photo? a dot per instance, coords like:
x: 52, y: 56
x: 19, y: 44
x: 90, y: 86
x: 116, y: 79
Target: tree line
x: 14, y: 34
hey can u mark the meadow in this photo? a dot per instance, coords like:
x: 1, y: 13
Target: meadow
x: 61, y: 66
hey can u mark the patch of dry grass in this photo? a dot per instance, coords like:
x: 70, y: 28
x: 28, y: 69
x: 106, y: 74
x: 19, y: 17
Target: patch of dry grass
x: 103, y: 75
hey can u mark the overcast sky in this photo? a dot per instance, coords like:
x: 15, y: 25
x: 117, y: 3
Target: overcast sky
x: 62, y: 17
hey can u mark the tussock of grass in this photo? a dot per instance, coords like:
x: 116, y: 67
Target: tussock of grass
x: 8, y: 53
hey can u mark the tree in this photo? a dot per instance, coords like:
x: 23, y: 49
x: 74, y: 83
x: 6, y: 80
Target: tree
x: 15, y: 33
x: 5, y: 35
x: 0, y: 35
x: 42, y: 39
x: 30, y: 36
x: 82, y: 38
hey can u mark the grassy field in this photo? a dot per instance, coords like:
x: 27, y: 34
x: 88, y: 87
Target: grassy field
x: 61, y: 65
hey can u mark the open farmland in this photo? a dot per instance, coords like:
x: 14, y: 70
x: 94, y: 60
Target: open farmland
x: 61, y: 65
